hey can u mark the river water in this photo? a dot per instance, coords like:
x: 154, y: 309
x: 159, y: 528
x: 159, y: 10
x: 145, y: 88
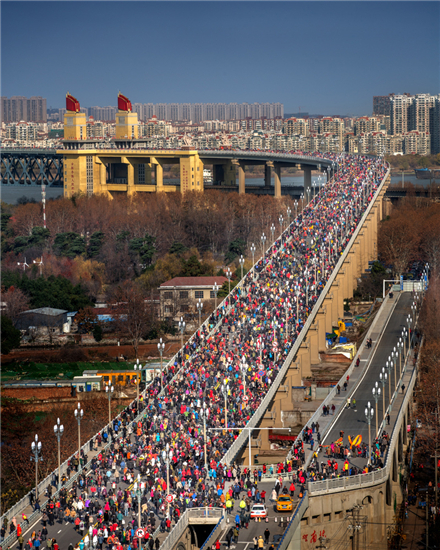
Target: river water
x: 10, y: 193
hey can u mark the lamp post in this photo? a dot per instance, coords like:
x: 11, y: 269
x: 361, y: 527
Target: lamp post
x: 253, y: 249
x: 394, y: 359
x: 229, y: 275
x: 404, y: 335
x: 376, y: 395
x: 281, y: 220
x: 369, y: 413
x: 138, y: 489
x: 302, y: 201
x: 225, y: 391
x: 36, y: 449
x: 205, y: 413
x: 215, y: 290
x: 167, y: 456
x: 109, y: 391
x: 389, y: 366
x: 243, y: 368
x: 199, y: 307
x: 263, y: 242
x: 400, y: 348
x: 58, y: 431
x: 409, y: 321
x: 241, y: 262
x: 288, y: 212
x: 79, y: 413
x: 161, y: 348
x: 137, y: 367
x: 272, y: 232
x: 296, y: 208
x: 182, y: 325
x: 383, y: 378
x: 328, y: 172
x: 287, y: 305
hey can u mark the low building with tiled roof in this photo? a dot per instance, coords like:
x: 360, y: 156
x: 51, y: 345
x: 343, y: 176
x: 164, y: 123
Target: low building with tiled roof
x: 179, y: 296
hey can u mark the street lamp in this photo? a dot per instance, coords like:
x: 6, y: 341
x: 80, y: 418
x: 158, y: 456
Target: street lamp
x: 229, y: 275
x: 376, y: 395
x: 389, y: 366
x: 263, y: 242
x: 253, y: 249
x: 328, y: 172
x: 79, y: 413
x: 59, y: 430
x: 296, y: 208
x: 137, y: 367
x: 138, y: 488
x: 288, y: 212
x: 36, y: 449
x: 272, y: 232
x: 205, y: 413
x: 182, y: 325
x: 286, y: 306
x: 383, y: 378
x: 225, y: 391
x: 243, y: 368
x: 161, y: 348
x: 404, y: 335
x: 167, y: 456
x: 400, y: 348
x: 281, y: 220
x: 109, y: 391
x: 241, y: 262
x: 369, y: 413
x: 199, y: 307
x: 215, y: 290
x: 302, y: 201
x: 409, y: 321
x: 394, y: 358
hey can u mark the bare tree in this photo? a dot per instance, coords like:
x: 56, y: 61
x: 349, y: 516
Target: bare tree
x: 134, y: 314
x: 15, y: 301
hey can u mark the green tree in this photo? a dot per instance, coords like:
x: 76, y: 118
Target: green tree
x: 95, y: 244
x: 10, y: 335
x: 177, y: 248
x: 235, y: 248
x: 38, y: 237
x: 97, y: 333
x: 69, y: 244
x: 57, y: 292
x: 144, y: 248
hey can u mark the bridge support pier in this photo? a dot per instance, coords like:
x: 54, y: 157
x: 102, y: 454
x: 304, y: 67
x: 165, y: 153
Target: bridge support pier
x: 277, y: 175
x: 268, y: 174
x: 241, y: 179
x: 307, y: 182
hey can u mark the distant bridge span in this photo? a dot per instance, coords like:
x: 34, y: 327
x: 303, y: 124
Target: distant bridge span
x: 133, y: 170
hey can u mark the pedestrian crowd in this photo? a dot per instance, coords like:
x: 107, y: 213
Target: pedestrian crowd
x: 254, y: 330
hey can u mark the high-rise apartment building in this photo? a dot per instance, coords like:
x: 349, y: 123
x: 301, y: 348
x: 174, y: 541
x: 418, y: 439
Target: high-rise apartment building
x: 20, y: 108
x: 400, y: 113
x: 382, y: 104
x: 418, y: 112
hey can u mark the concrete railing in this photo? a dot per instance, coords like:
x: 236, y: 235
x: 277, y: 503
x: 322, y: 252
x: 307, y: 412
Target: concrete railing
x: 378, y: 476
x: 258, y: 414
x: 294, y: 523
x: 184, y: 521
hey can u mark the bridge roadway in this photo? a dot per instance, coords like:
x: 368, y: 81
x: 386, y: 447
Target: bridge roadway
x: 352, y: 421
x: 365, y: 189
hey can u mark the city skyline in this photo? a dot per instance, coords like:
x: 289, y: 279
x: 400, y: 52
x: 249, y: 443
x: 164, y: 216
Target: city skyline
x: 318, y: 57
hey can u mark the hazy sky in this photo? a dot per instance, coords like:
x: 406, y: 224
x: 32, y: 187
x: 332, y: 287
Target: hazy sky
x: 322, y: 57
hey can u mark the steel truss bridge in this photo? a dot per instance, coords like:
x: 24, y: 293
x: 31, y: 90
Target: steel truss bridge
x: 32, y: 167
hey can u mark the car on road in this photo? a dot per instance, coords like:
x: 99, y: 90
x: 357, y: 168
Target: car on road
x: 258, y: 511
x: 284, y: 503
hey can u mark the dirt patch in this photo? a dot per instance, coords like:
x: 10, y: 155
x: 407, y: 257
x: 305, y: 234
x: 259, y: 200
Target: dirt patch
x: 92, y: 353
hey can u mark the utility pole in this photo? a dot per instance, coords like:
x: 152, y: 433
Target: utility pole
x: 355, y: 526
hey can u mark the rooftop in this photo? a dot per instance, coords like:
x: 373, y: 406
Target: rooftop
x: 194, y: 281
x: 46, y: 311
